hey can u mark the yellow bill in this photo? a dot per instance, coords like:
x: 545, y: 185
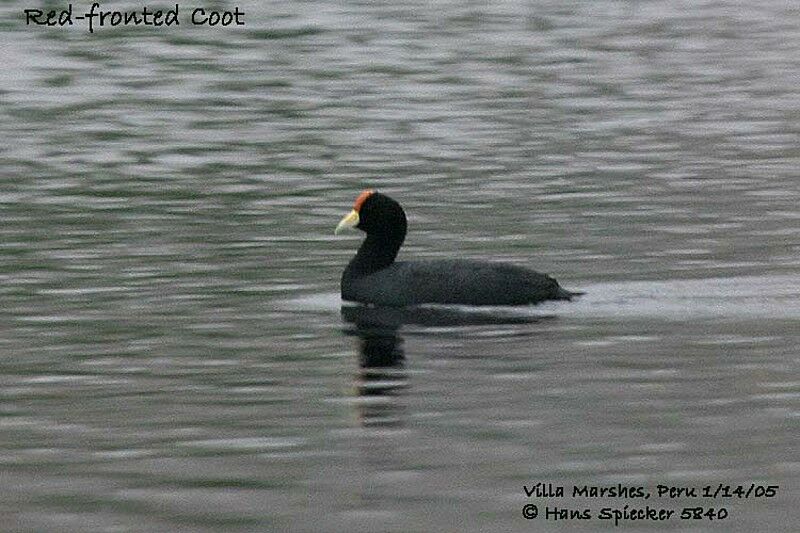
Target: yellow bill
x: 350, y: 221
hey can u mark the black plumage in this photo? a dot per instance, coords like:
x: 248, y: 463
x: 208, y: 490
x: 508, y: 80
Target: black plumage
x: 373, y: 276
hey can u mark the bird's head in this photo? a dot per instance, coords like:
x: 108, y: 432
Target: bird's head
x: 374, y: 213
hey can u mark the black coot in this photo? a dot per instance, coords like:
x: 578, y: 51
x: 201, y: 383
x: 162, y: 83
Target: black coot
x: 374, y: 277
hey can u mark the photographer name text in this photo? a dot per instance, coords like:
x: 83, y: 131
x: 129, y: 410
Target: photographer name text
x: 699, y: 503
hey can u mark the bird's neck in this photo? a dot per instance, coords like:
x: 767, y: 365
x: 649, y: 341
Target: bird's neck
x: 376, y: 253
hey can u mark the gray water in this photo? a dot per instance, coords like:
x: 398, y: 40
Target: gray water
x: 174, y: 354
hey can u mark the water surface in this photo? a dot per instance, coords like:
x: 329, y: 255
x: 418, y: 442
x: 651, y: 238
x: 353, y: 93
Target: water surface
x: 174, y: 355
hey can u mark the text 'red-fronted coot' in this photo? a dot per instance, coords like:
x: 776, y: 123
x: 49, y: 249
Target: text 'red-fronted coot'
x: 374, y: 277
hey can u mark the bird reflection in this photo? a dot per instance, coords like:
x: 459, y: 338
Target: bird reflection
x: 382, y: 376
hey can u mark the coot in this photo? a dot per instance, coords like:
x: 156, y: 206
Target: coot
x: 374, y: 277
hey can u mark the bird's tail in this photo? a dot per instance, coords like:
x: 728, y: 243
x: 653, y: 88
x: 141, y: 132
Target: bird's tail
x: 563, y: 294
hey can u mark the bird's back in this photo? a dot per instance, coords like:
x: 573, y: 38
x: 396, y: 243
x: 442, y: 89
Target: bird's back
x: 451, y: 281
